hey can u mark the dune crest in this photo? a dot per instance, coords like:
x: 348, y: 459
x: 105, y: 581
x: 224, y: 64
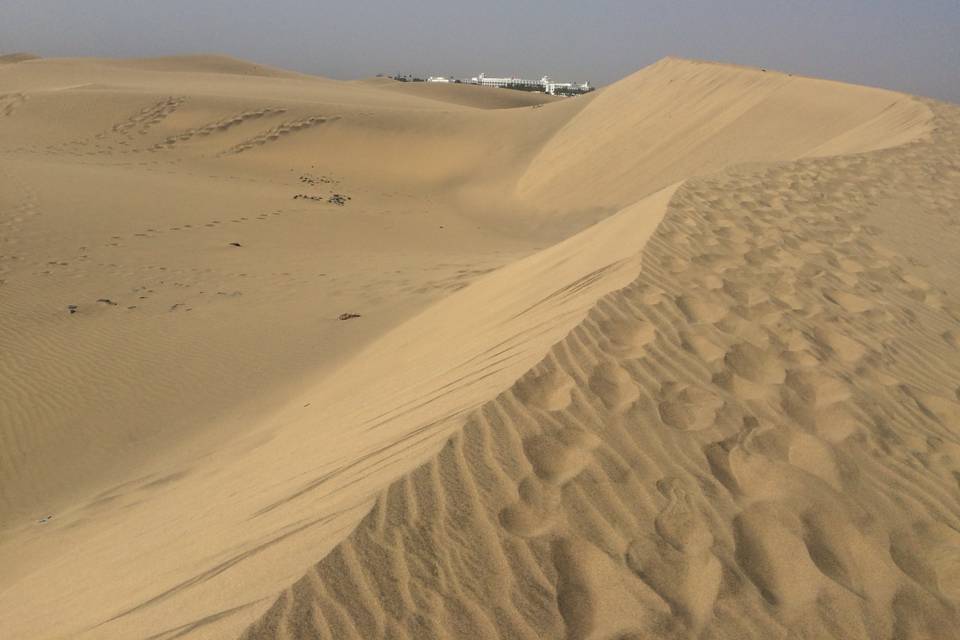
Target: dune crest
x: 679, y: 118
x: 20, y: 56
x: 201, y: 63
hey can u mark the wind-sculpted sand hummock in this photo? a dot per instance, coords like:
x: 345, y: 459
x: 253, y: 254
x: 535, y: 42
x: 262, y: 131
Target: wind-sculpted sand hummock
x: 692, y: 372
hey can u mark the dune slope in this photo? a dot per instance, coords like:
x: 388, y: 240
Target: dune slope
x: 756, y: 437
x: 727, y: 409
x: 679, y: 118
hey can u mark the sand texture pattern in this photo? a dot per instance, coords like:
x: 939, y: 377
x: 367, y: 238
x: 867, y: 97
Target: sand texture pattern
x: 285, y: 357
x: 755, y: 438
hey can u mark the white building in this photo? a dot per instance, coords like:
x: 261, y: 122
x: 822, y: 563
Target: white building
x: 483, y: 80
x: 438, y: 79
x: 552, y: 87
x: 545, y: 84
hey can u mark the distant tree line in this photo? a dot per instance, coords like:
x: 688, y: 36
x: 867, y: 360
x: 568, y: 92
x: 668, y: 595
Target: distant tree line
x: 522, y: 86
x: 566, y: 91
x: 406, y: 77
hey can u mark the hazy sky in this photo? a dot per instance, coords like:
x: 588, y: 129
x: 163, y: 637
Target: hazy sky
x: 913, y: 45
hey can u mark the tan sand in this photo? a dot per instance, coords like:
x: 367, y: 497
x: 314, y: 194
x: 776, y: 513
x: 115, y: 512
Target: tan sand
x: 680, y: 358
x: 465, y: 94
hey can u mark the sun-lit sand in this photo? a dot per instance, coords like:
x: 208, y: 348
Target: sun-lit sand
x: 290, y: 357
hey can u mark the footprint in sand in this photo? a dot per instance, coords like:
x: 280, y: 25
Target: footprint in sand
x: 549, y: 390
x: 677, y: 561
x: 627, y: 339
x: 556, y: 460
x: 699, y: 310
x: 850, y: 302
x: 839, y: 345
x: 701, y: 342
x: 613, y: 386
x: 952, y: 338
x: 688, y: 407
x: 816, y: 388
x: 536, y: 511
x: 752, y: 363
x: 587, y: 577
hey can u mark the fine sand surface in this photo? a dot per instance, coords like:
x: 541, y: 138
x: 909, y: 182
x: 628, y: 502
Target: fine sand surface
x: 464, y: 94
x: 676, y: 359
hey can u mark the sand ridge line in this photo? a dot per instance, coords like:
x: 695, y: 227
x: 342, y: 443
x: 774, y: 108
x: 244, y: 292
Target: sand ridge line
x: 731, y: 469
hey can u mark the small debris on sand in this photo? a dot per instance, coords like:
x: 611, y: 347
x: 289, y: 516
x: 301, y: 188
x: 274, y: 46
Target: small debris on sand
x: 348, y: 316
x: 72, y: 308
x: 45, y: 519
x: 107, y: 301
x: 235, y: 244
x: 314, y: 180
x: 338, y: 199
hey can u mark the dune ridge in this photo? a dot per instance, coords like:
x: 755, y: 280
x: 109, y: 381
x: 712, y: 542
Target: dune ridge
x: 677, y: 118
x: 20, y: 56
x: 710, y: 451
x: 658, y: 392
x: 202, y: 63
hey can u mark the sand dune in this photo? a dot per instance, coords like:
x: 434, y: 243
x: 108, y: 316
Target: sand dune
x: 676, y: 359
x: 678, y: 118
x: 208, y: 63
x: 21, y: 56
